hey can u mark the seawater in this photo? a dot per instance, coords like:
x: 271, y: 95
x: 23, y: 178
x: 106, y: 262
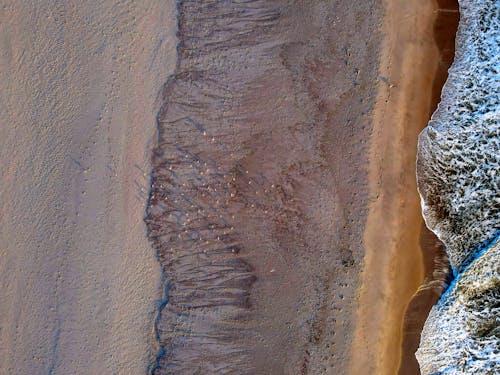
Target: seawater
x: 459, y: 151
x: 458, y: 172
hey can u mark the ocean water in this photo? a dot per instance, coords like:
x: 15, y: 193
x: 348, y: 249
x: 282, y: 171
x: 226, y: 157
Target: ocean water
x: 462, y: 333
x: 459, y: 151
x: 459, y: 182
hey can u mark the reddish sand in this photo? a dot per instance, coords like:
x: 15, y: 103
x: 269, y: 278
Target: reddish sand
x: 412, y: 69
x: 436, y: 264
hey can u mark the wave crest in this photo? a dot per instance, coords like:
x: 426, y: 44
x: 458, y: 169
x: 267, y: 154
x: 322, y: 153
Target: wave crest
x: 459, y: 151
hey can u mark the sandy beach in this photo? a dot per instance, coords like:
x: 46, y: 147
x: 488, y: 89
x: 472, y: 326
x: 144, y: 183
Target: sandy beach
x: 271, y: 146
x: 78, y: 278
x: 412, y: 72
x: 259, y: 191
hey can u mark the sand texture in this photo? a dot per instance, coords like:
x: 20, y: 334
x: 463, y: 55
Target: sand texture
x: 260, y: 185
x: 78, y: 280
x: 215, y: 187
x: 397, y: 261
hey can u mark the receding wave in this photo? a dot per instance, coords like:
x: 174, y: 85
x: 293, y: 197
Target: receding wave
x: 462, y: 333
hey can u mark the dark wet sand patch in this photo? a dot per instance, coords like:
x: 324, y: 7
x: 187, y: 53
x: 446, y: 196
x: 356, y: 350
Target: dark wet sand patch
x: 259, y: 189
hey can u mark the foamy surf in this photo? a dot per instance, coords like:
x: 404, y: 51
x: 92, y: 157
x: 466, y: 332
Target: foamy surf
x: 459, y: 151
x: 458, y: 179
x: 461, y: 335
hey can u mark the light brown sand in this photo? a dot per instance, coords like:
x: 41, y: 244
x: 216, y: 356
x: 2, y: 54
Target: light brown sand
x: 436, y: 263
x: 78, y: 87
x: 393, y: 263
x: 79, y: 83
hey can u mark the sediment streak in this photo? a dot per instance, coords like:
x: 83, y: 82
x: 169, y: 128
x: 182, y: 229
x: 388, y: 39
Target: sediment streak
x: 258, y: 198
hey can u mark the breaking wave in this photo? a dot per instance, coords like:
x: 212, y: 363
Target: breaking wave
x: 459, y: 183
x: 459, y: 151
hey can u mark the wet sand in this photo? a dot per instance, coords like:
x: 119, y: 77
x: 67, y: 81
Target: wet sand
x: 436, y: 278
x: 411, y: 76
x: 278, y: 129
x: 259, y: 191
x: 437, y: 270
x: 78, y: 86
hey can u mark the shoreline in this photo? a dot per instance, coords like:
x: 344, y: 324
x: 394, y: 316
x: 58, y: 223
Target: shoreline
x: 402, y: 110
x: 460, y: 334
x: 436, y: 263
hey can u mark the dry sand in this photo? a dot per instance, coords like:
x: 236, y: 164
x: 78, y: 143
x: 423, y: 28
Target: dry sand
x: 411, y: 75
x: 78, y: 86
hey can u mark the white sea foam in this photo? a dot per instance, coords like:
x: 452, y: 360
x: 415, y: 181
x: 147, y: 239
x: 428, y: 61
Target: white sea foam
x: 459, y: 182
x: 462, y: 333
x: 459, y: 151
